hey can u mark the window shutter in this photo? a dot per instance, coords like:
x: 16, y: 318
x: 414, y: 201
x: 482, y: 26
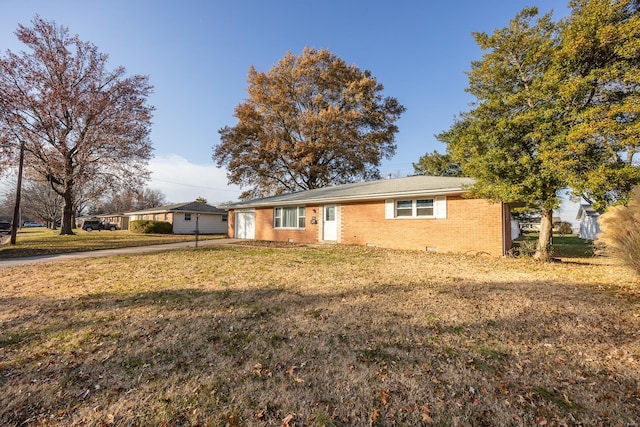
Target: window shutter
x: 389, y: 208
x: 440, y: 206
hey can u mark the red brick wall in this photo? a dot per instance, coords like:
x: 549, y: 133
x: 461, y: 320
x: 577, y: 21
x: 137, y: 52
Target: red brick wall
x: 150, y: 217
x: 231, y: 224
x: 472, y: 225
x: 265, y: 230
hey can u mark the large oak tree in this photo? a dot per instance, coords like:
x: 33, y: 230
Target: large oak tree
x: 81, y: 124
x: 311, y: 121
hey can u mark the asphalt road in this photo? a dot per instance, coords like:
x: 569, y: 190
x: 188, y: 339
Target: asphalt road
x: 13, y: 262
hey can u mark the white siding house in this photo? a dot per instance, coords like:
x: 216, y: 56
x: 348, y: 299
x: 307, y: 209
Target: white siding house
x: 588, y: 218
x: 205, y: 223
x: 187, y: 218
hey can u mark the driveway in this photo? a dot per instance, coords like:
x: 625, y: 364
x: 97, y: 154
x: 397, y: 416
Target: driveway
x: 14, y: 262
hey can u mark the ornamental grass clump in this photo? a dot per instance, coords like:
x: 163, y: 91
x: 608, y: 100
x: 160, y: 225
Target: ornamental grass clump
x: 620, y: 236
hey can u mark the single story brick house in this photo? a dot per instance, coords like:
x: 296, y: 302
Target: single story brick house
x: 418, y: 212
x: 185, y: 217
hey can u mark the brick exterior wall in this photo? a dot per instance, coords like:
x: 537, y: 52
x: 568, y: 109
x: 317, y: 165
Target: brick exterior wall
x: 231, y: 224
x: 149, y: 217
x: 265, y: 230
x: 471, y: 225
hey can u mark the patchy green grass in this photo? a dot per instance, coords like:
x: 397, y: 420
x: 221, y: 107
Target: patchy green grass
x: 562, y: 246
x: 333, y: 336
x: 42, y: 241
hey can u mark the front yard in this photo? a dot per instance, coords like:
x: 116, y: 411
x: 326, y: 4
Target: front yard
x: 42, y: 241
x: 241, y: 335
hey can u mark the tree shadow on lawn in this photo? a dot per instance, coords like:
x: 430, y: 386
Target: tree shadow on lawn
x: 488, y: 354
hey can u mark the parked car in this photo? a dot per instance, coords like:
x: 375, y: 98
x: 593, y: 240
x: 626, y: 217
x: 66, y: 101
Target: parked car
x: 110, y: 226
x: 32, y: 224
x: 5, y: 227
x: 96, y: 224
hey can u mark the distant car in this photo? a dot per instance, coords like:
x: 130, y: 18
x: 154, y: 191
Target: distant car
x: 96, y: 224
x: 32, y: 224
x: 110, y: 226
x: 5, y: 227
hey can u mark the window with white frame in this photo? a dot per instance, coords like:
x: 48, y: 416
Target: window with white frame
x: 424, y: 207
x: 187, y: 216
x: 404, y: 208
x: 416, y: 208
x: 289, y: 217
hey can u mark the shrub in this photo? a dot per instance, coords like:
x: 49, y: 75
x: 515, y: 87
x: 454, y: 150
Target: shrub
x: 620, y: 236
x: 524, y: 248
x: 150, y: 227
x: 565, y: 228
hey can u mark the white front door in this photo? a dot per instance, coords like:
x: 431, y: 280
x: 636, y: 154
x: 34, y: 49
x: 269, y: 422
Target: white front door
x: 329, y: 223
x: 245, y: 225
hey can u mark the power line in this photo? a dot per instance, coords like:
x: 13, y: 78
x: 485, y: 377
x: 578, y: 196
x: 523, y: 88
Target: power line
x: 192, y: 185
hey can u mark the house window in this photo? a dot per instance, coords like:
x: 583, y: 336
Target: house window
x: 166, y: 216
x: 140, y: 217
x: 414, y: 208
x: 404, y: 208
x: 289, y: 217
x: 155, y: 217
x: 225, y: 217
x: 424, y: 207
x: 187, y: 217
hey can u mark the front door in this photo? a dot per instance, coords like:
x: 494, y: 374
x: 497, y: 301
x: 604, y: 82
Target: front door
x: 329, y: 224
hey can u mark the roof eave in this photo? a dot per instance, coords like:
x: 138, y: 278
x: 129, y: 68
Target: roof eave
x: 364, y: 197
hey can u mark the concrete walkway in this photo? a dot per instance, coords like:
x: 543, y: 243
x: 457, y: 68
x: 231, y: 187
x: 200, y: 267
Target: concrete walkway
x: 14, y: 262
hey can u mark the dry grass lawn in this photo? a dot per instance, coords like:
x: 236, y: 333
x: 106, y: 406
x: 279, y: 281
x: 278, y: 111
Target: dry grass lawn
x: 328, y: 336
x: 41, y: 241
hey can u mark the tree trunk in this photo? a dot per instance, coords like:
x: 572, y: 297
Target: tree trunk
x: 16, y: 211
x: 66, y: 226
x: 543, y: 250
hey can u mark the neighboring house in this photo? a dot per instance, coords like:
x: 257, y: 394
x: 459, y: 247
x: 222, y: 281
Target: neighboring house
x: 418, y: 212
x: 119, y: 219
x: 80, y: 219
x: 186, y: 217
x: 515, y: 229
x: 588, y: 218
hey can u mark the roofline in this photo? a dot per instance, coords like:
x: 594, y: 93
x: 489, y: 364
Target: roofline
x: 145, y: 212
x: 364, y: 197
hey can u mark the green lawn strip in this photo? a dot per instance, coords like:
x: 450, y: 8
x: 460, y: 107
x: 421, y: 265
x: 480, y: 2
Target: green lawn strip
x: 562, y: 246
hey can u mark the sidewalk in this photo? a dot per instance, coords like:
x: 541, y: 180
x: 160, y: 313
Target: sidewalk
x: 14, y: 262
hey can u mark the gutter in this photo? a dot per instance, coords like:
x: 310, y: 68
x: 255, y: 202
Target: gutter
x: 325, y: 200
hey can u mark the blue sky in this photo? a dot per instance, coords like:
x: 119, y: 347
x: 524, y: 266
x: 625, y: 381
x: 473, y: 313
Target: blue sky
x: 197, y: 55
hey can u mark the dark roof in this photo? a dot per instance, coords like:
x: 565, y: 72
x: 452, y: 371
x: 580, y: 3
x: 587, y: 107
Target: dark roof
x: 412, y: 186
x: 587, y: 210
x: 188, y: 207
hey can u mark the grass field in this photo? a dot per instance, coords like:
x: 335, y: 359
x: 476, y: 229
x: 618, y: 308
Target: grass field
x: 42, y: 241
x: 563, y: 246
x: 320, y: 336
